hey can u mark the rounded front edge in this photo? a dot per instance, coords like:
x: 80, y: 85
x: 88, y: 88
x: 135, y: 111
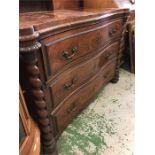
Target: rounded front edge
x: 32, y: 143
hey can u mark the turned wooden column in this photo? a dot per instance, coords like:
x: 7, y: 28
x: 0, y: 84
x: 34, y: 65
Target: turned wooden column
x: 33, y: 86
x: 121, y: 48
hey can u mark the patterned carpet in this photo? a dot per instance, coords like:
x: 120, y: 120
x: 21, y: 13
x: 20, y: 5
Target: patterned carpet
x: 106, y: 127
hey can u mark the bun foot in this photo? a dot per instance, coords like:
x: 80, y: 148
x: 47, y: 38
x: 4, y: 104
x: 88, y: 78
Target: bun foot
x: 114, y: 80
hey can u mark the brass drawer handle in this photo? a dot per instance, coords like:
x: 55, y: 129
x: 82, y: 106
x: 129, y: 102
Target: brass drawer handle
x: 69, y: 55
x: 71, y: 84
x: 72, y: 109
x: 112, y: 32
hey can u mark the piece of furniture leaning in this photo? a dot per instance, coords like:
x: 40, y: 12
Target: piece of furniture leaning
x: 66, y: 57
x: 29, y: 134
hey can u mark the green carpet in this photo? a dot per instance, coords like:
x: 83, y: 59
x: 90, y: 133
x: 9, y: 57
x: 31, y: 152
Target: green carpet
x: 106, y: 127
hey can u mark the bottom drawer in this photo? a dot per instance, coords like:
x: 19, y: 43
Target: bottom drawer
x: 67, y: 110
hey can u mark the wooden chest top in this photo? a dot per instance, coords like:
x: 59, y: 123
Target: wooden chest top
x: 46, y: 21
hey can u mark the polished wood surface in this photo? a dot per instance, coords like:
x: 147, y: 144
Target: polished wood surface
x: 51, y: 20
x: 66, y: 57
x: 30, y: 142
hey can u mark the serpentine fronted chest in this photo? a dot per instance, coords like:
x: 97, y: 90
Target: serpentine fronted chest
x: 66, y: 57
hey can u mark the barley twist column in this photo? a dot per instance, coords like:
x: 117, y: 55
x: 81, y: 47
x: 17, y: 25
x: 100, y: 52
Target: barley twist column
x: 29, y: 46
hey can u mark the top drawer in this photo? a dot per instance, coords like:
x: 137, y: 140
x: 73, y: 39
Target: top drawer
x: 61, y: 53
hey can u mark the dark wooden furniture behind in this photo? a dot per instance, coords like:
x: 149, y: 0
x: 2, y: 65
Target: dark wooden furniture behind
x: 47, y: 5
x: 66, y: 57
x: 35, y: 5
x: 129, y: 52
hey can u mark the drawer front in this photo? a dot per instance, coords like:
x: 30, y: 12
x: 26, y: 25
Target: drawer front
x: 80, y: 74
x: 77, y: 102
x: 61, y: 54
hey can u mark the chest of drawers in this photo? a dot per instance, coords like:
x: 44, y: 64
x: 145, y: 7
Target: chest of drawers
x: 66, y: 57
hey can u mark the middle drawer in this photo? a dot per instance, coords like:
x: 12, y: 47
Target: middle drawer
x: 72, y: 79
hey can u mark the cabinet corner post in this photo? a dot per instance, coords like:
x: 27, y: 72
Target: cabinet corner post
x: 28, y: 48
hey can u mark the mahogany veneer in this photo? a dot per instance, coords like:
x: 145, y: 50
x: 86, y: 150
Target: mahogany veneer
x: 66, y: 57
